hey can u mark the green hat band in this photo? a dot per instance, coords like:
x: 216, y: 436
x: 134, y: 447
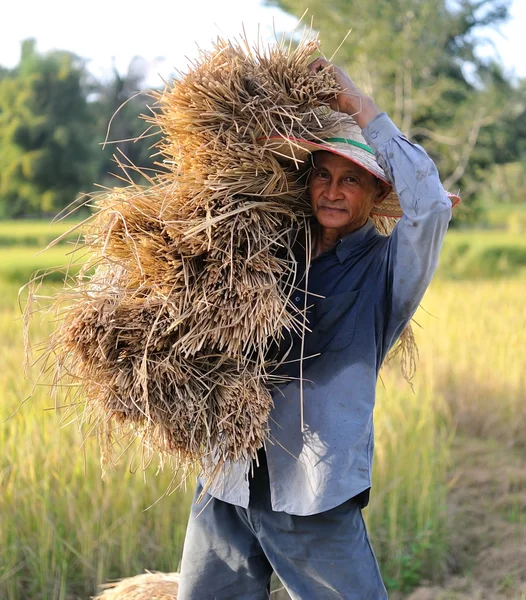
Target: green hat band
x: 351, y: 143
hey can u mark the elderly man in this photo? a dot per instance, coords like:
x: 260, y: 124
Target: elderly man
x: 298, y: 513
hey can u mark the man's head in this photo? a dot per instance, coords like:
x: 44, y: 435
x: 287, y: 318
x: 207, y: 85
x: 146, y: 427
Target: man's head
x: 346, y: 147
x: 347, y: 143
x: 342, y: 193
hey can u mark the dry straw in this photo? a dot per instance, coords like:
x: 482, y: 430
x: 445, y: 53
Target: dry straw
x: 148, y: 586
x: 166, y: 331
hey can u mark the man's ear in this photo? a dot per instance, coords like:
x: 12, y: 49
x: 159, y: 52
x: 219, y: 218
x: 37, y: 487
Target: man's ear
x: 382, y: 190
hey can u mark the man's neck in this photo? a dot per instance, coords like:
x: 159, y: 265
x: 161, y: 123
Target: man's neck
x: 325, y: 239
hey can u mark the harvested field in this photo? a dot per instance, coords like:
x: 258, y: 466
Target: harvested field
x: 487, y: 524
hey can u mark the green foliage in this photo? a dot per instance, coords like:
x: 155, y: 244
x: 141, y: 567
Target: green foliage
x: 22, y: 253
x: 416, y: 57
x: 44, y: 133
x: 53, y: 119
x: 505, y: 183
x: 407, y: 566
x: 482, y: 255
x: 498, y: 261
x: 466, y: 254
x: 19, y: 264
x: 507, y: 217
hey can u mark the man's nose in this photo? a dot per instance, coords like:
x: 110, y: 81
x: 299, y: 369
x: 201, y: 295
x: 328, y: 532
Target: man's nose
x: 333, y: 191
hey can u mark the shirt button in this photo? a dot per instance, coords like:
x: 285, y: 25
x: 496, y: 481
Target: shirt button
x: 297, y: 299
x: 374, y: 135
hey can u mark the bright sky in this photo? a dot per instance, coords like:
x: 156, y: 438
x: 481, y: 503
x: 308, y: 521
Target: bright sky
x: 165, y: 31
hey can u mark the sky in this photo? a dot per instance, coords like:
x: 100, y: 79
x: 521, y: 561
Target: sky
x: 103, y: 31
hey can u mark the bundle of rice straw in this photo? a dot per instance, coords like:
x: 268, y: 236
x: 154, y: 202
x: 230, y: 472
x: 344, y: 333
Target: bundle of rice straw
x: 168, y: 326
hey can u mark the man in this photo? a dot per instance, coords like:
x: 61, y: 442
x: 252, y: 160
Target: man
x: 299, y: 512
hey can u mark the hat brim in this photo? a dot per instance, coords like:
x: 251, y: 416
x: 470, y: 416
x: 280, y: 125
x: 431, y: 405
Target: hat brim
x: 299, y: 151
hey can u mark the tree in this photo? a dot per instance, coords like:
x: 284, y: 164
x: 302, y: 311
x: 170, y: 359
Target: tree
x: 418, y: 59
x: 116, y: 107
x: 45, y: 133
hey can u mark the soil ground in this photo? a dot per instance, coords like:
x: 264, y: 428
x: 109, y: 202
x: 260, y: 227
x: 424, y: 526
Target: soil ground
x: 487, y: 517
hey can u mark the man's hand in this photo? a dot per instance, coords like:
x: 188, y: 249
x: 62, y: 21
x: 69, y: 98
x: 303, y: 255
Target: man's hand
x: 350, y: 100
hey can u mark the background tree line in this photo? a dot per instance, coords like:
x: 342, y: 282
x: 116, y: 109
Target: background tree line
x: 416, y: 57
x: 54, y: 117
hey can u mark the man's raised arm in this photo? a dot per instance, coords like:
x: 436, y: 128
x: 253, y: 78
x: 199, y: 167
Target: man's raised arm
x: 416, y: 240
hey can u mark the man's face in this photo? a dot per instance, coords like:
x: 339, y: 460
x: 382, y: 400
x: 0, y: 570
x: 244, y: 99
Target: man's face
x: 342, y: 193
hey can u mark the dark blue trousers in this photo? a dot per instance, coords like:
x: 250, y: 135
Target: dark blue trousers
x: 230, y: 552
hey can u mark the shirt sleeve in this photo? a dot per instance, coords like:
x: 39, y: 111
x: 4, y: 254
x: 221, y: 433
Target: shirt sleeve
x: 414, y: 245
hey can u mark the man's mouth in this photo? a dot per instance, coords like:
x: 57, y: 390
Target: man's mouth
x: 331, y: 208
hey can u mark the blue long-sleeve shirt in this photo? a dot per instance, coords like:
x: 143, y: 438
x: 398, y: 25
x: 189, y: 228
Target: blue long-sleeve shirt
x: 371, y: 286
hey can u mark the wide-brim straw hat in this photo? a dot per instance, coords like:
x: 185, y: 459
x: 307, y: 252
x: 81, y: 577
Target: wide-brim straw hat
x: 347, y: 141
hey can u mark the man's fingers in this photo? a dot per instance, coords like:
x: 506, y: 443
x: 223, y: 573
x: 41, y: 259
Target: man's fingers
x: 349, y: 99
x: 318, y: 64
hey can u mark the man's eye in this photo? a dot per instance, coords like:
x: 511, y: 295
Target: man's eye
x: 321, y: 174
x: 350, y: 179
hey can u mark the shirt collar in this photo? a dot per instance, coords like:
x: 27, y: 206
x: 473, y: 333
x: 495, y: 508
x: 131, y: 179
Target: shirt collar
x: 354, y: 239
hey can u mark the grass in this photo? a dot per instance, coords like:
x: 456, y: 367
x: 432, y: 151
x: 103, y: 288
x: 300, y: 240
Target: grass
x: 22, y: 252
x: 472, y: 345
x: 470, y: 380
x: 497, y: 213
x: 467, y: 254
x: 483, y: 254
x: 33, y: 233
x: 18, y: 264
x: 64, y: 530
x: 406, y: 517
x: 506, y: 216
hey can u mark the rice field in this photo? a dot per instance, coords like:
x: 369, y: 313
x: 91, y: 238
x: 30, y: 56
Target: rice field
x: 470, y: 381
x: 33, y: 233
x: 483, y: 254
x: 63, y: 529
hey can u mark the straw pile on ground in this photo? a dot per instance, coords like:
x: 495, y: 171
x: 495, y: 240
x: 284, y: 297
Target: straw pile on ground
x: 167, y: 328
x: 148, y: 586
x: 153, y: 586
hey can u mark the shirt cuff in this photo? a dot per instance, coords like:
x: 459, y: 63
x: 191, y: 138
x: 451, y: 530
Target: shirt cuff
x: 379, y: 131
